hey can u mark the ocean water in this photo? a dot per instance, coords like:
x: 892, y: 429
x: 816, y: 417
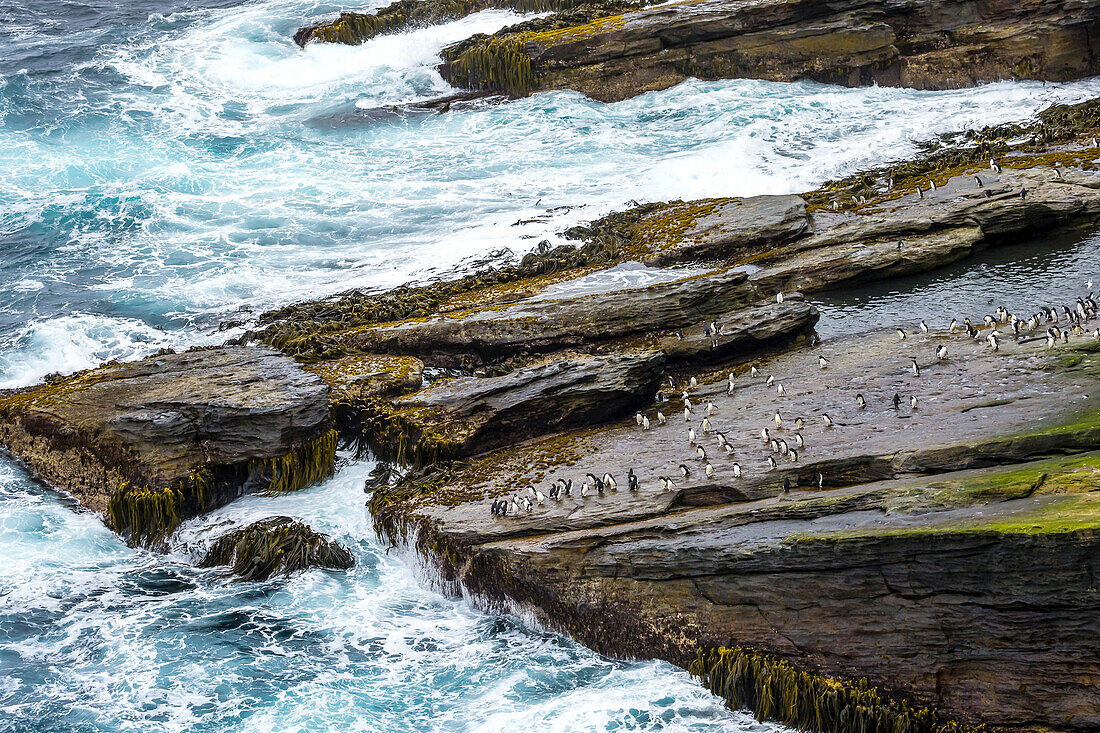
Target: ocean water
x: 169, y: 169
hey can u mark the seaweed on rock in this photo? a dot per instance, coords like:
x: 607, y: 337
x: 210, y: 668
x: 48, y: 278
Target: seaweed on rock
x: 774, y: 689
x: 278, y: 545
x: 304, y: 465
x: 145, y: 516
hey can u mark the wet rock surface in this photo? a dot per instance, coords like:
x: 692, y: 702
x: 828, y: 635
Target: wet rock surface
x: 275, y: 546
x: 174, y: 427
x: 935, y: 44
x: 870, y: 573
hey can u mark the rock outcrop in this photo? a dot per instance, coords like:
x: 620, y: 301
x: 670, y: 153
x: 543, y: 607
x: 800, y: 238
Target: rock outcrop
x: 152, y: 442
x: 926, y: 44
x: 968, y: 591
x: 275, y: 546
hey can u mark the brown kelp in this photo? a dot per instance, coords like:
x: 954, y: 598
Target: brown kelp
x: 277, y: 545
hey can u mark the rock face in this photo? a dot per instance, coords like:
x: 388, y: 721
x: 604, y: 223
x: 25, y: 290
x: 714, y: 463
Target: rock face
x: 151, y: 442
x: 542, y: 326
x: 969, y: 591
x: 477, y: 414
x: 927, y: 44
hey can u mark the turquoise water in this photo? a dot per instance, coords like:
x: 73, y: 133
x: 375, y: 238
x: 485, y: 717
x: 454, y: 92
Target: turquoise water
x: 167, y: 170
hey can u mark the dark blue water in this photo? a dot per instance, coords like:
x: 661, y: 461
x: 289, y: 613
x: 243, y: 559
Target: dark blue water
x: 166, y: 167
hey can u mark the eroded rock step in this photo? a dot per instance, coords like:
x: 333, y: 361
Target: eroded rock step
x: 150, y: 443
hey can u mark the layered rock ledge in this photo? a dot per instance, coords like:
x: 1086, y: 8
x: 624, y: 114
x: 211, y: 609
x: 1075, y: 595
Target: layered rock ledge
x: 925, y: 44
x: 968, y: 590
x: 150, y: 443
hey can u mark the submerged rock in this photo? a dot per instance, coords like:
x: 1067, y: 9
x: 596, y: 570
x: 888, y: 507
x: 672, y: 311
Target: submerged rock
x: 150, y: 443
x: 275, y: 546
x: 930, y: 44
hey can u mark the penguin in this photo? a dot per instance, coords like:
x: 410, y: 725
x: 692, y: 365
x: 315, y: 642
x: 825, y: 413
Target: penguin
x: 799, y: 440
x: 993, y: 343
x: 568, y: 487
x: 764, y: 434
x: 901, y: 243
x: 901, y: 335
x: 786, y: 485
x: 784, y: 448
x: 941, y: 352
x: 954, y: 325
x: 679, y: 335
x: 706, y: 330
x: 820, y: 481
x: 737, y: 470
x: 754, y: 371
x: 709, y: 470
x: 931, y: 184
x: 661, y: 419
x: 779, y: 297
x: 771, y: 463
x: 1023, y: 193
x: 775, y: 445
x: 860, y: 401
x: 527, y: 505
x: 914, y: 368
x: 828, y: 420
x: 728, y: 447
x: 691, y: 436
x: 669, y: 485
x: 769, y: 381
x: 923, y: 327
x: 686, y: 398
x: 778, y: 420
x: 584, y: 490
x: 638, y: 418
x: 631, y: 480
x: 645, y: 423
x: 711, y: 409
x: 897, y: 400
x: 693, y: 383
x: 720, y: 437
x: 913, y: 401
x: 729, y: 388
x: 779, y: 389
x: 701, y: 452
x: 979, y: 182
x: 609, y: 482
x: 793, y: 455
x: 823, y: 362
x: 993, y: 166
x: 687, y: 414
x: 540, y: 497
x: 706, y: 426
x: 596, y: 483
x: 799, y: 423
x: 920, y: 193
x: 685, y: 471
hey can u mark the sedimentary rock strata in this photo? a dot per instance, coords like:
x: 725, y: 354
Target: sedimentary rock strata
x: 152, y: 442
x: 933, y: 44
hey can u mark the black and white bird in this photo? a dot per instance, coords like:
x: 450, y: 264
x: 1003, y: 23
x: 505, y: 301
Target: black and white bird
x: 822, y: 362
x: 779, y: 297
x: 661, y: 419
x: 638, y: 418
x: 684, y: 471
x: 706, y: 426
x: 691, y: 436
x: 941, y: 352
x: 765, y: 435
x: 914, y: 368
x: 778, y: 420
x: 786, y: 485
x: 828, y: 420
x: 737, y: 470
x: 923, y: 327
x: 913, y: 401
x: 771, y: 462
x: 901, y: 334
x: 954, y: 325
x: 793, y: 455
x: 799, y: 423
x: 701, y: 452
x: 993, y: 166
x: 769, y: 381
x: 708, y: 469
x: 897, y: 400
x: 979, y: 182
x: 645, y: 423
x: 609, y: 482
x: 861, y: 401
x: 799, y: 440
x: 631, y: 480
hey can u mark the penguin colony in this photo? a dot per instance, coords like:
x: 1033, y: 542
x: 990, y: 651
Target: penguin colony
x: 782, y: 438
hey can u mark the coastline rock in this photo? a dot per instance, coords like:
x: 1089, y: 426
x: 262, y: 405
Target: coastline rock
x: 968, y: 591
x: 275, y: 546
x: 925, y: 44
x: 152, y: 442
